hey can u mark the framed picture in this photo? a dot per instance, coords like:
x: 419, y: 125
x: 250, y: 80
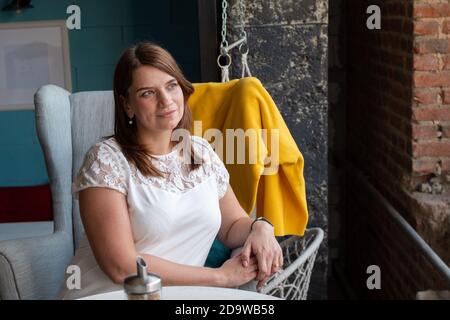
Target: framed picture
x: 32, y: 54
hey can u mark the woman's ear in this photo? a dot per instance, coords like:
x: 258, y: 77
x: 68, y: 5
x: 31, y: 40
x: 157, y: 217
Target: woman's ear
x: 126, y: 107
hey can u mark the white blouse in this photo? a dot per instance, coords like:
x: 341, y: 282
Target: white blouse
x: 175, y: 217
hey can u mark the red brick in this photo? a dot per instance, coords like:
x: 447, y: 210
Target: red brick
x: 426, y: 62
x: 422, y: 46
x: 446, y: 96
x: 446, y: 27
x: 431, y: 10
x: 442, y: 114
x: 431, y: 79
x: 426, y: 95
x: 446, y: 61
x: 431, y: 148
x: 445, y: 164
x: 424, y: 165
x: 420, y: 131
x: 445, y: 130
x: 426, y: 27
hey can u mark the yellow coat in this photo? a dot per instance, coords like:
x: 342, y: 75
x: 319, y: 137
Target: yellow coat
x: 244, y: 103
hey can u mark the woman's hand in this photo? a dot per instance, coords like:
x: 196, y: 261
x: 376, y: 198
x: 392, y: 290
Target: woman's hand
x: 262, y: 244
x: 234, y: 274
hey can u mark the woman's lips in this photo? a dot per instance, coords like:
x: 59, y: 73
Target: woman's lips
x: 167, y: 113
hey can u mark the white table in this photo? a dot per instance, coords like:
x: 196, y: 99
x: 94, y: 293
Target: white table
x: 191, y: 293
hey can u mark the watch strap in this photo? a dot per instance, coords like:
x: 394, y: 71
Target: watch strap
x: 260, y: 219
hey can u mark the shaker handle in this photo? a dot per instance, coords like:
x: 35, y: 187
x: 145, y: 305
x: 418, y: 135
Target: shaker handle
x: 141, y: 267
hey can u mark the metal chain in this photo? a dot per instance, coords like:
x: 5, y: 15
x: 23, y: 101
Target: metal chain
x: 224, y: 42
x: 224, y: 46
x: 224, y: 58
x: 241, y: 10
x: 243, y: 48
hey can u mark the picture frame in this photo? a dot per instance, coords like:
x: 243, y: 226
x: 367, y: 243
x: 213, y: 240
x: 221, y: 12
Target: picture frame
x: 32, y: 54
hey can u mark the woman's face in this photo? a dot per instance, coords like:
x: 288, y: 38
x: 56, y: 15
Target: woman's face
x: 155, y: 99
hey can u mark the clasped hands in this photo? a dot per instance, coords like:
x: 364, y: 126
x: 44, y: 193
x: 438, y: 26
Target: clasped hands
x: 262, y: 245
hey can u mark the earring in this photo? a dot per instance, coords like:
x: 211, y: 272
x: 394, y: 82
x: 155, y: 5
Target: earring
x: 131, y: 121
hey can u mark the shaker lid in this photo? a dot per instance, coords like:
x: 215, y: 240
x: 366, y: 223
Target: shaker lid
x: 143, y: 282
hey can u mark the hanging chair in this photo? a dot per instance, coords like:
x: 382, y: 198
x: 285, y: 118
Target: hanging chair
x: 292, y: 281
x: 299, y: 252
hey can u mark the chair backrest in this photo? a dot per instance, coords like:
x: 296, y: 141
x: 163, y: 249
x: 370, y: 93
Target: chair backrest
x: 67, y: 126
x: 92, y: 118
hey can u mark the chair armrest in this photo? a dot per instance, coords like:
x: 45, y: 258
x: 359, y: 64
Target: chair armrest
x: 299, y: 254
x: 34, y: 268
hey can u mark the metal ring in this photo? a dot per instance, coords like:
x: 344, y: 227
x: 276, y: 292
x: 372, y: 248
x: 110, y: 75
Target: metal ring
x: 240, y: 48
x: 226, y: 56
x: 223, y: 45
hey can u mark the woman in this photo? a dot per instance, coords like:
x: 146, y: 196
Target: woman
x: 139, y: 195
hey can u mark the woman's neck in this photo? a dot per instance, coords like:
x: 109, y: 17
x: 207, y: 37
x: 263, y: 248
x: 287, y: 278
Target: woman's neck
x: 157, y: 144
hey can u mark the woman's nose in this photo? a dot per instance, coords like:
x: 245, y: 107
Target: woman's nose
x: 164, y: 98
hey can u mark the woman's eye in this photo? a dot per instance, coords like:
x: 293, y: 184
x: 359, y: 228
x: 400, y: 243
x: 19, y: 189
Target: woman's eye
x: 172, y: 85
x: 147, y: 93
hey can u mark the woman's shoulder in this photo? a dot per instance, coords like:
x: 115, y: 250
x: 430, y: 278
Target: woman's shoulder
x: 102, y: 167
x: 107, y: 145
x: 106, y: 151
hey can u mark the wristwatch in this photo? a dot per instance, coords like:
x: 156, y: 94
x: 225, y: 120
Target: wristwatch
x: 260, y: 219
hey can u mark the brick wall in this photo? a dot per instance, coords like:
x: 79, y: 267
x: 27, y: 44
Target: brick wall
x: 397, y: 135
x: 430, y: 123
x: 431, y: 90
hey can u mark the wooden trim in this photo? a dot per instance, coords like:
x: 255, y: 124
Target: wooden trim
x: 207, y: 24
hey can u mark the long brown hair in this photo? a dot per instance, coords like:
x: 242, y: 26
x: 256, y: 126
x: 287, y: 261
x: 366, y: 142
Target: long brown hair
x: 145, y: 54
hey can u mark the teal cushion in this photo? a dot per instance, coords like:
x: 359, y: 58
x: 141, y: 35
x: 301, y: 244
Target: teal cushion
x: 218, y: 254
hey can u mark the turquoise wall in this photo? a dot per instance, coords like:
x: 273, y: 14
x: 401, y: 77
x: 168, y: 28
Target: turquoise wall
x: 107, y: 28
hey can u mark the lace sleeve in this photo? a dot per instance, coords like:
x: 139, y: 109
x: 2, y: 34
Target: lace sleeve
x: 101, y: 168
